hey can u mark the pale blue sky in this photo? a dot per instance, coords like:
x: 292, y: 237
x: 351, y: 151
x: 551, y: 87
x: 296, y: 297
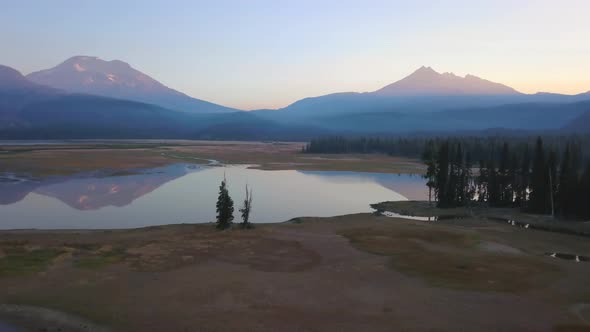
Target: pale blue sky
x: 269, y: 53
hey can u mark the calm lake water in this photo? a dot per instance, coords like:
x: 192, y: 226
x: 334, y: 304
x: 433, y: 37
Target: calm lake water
x: 187, y: 194
x: 5, y: 327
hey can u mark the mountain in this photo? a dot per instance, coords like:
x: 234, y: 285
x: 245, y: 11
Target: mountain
x: 427, y: 82
x: 101, y: 112
x: 425, y: 90
x: 581, y: 124
x: 14, y: 83
x: 426, y: 100
x: 12, y: 79
x: 28, y: 109
x: 15, y: 92
x: 523, y: 116
x: 117, y: 79
x: 531, y: 116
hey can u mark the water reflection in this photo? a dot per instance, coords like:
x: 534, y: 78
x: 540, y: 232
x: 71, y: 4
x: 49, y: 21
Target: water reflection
x: 186, y: 193
x: 95, y: 190
x: 404, y: 216
x: 118, y: 190
x: 404, y: 184
x: 5, y: 327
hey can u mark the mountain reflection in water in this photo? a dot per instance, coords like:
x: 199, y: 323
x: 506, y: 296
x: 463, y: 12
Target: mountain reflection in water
x: 187, y: 193
x: 96, y: 190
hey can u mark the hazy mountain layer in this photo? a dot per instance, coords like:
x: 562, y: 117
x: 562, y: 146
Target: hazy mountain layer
x: 30, y: 110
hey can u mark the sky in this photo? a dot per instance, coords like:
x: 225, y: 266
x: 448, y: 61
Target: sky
x: 253, y: 54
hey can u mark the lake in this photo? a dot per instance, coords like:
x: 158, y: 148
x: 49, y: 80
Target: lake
x: 183, y: 193
x: 5, y: 327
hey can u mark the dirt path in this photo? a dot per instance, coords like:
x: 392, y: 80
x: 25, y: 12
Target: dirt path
x: 365, y: 282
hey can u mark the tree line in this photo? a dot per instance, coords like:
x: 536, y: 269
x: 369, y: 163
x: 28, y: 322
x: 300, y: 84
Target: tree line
x: 480, y: 147
x: 547, y: 175
x: 225, y: 208
x: 536, y: 177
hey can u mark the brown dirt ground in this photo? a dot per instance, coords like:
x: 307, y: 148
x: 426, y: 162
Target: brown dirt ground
x: 348, y: 273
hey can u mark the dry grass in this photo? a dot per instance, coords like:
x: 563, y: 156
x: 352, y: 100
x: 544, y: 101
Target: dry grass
x: 156, y: 249
x: 193, y: 275
x: 285, y: 156
x: 21, y: 261
x: 65, y: 162
x: 452, y: 259
x: 70, y: 159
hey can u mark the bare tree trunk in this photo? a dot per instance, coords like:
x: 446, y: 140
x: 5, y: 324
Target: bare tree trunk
x: 247, y: 208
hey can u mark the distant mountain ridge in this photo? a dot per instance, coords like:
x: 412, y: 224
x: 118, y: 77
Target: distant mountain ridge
x: 423, y: 91
x: 12, y: 80
x: 581, y: 124
x: 118, y: 79
x: 427, y: 82
x: 29, y: 107
x: 29, y: 110
x: 32, y: 111
x: 16, y: 92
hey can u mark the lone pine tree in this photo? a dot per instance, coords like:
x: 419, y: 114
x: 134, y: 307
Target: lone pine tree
x: 225, y: 207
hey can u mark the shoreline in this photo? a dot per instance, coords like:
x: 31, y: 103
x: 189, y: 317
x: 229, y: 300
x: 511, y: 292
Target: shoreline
x: 512, y: 216
x: 32, y: 318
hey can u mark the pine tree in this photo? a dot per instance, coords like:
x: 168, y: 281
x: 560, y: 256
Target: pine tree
x: 493, y: 187
x: 246, y: 209
x: 460, y: 182
x: 451, y: 192
x: 482, y: 182
x: 503, y: 177
x: 225, y: 207
x: 513, y: 180
x: 539, y: 188
x: 429, y: 158
x: 565, y: 186
x: 552, y: 181
x: 469, y: 190
x: 524, y: 178
x: 583, y: 208
x: 442, y: 176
